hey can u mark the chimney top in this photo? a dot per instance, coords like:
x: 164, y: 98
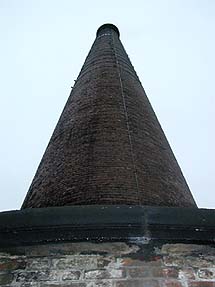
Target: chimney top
x: 106, y: 27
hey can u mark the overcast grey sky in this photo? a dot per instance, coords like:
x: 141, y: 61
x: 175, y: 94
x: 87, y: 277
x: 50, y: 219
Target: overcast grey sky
x: 43, y: 46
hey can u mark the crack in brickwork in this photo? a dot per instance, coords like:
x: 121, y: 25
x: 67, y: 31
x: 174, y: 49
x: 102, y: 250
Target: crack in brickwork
x: 127, y: 121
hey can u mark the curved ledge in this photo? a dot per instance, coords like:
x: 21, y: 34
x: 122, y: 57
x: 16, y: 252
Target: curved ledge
x: 137, y: 224
x: 106, y: 27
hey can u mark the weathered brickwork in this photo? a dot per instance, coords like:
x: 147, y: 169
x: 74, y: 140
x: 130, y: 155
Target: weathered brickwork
x: 109, y: 265
x: 108, y: 146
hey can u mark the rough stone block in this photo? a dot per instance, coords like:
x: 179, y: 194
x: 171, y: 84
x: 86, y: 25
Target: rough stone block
x: 138, y: 272
x: 39, y: 263
x: 12, y: 264
x: 6, y: 278
x: 36, y: 276
x: 74, y: 262
x: 202, y: 284
x: 127, y: 261
x: 183, y: 249
x: 173, y: 261
x: 138, y: 283
x: 186, y: 273
x: 31, y: 284
x: 71, y: 275
x: 105, y: 274
x: 171, y: 283
x: 206, y: 273
x: 104, y: 262
x: 165, y: 272
x: 60, y: 284
x: 100, y: 284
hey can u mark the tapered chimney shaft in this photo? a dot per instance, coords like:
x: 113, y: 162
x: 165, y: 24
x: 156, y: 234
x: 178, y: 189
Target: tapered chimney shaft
x: 108, y: 146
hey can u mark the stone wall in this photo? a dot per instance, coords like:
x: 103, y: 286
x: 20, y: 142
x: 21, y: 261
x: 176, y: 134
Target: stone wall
x: 108, y: 264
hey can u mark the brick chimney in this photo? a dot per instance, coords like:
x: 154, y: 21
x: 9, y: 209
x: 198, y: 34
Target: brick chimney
x: 108, y: 158
x: 108, y: 147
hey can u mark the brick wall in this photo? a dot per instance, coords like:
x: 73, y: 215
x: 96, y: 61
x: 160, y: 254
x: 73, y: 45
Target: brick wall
x: 109, y: 264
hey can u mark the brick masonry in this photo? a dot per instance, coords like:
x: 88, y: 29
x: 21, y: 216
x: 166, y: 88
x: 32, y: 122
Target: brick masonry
x: 109, y: 264
x: 108, y: 146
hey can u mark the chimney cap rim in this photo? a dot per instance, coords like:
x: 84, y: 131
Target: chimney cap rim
x: 109, y: 26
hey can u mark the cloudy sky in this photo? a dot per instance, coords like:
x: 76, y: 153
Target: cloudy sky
x: 43, y: 46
